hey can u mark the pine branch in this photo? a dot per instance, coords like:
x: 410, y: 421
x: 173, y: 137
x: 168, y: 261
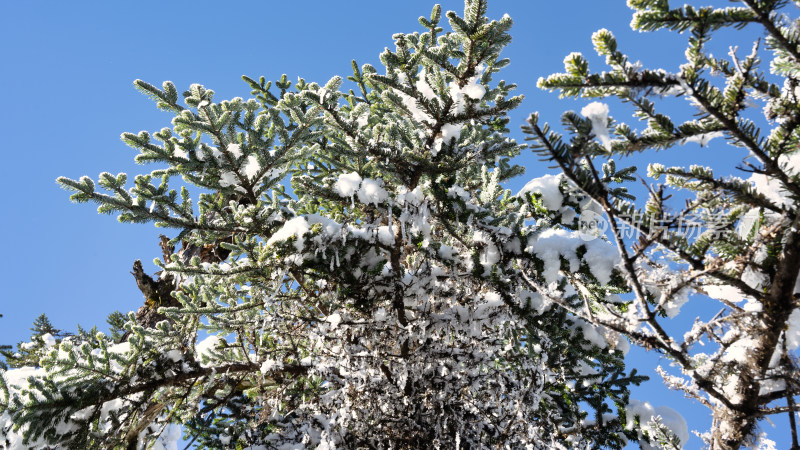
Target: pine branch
x: 766, y: 21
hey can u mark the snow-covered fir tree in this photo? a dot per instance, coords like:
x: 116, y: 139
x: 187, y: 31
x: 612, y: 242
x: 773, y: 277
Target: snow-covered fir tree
x: 346, y: 271
x: 733, y: 239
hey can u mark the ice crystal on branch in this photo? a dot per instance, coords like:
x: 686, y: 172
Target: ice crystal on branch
x: 735, y: 239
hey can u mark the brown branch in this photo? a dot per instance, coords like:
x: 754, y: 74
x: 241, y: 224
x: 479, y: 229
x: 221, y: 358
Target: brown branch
x: 773, y: 30
x: 770, y: 165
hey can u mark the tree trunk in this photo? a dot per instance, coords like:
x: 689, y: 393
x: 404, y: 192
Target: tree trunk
x: 731, y: 429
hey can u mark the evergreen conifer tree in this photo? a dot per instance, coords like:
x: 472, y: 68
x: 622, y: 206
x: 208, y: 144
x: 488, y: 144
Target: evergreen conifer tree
x: 349, y: 272
x: 733, y: 239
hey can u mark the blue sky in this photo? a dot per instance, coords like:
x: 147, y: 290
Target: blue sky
x: 67, y: 71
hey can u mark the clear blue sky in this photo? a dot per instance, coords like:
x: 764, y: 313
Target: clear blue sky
x: 66, y: 75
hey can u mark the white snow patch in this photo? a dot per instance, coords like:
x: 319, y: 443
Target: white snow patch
x: 451, y: 131
x: 446, y: 252
x: 417, y: 114
x: 474, y: 90
x: 597, y: 113
x: 423, y: 87
x: 724, y: 292
x: 740, y: 350
x: 296, y: 227
x: 17, y: 380
x: 235, y: 150
x: 490, y: 255
x: 49, y: 340
x: 386, y: 235
x: 548, y: 187
x: 492, y: 301
x: 552, y: 244
x: 764, y: 443
x: 595, y: 334
x: 270, y: 365
x: 448, y: 131
x: 347, y: 184
x: 754, y: 278
x: 471, y: 89
x: 251, y: 167
x: 536, y: 301
x: 227, y: 178
x: 363, y: 119
x: 329, y: 226
x: 771, y: 187
x: 174, y: 355
x: 672, y: 306
x: 371, y: 191
x: 753, y: 305
x: 770, y: 386
x: 204, y: 347
x: 180, y: 153
x: 600, y: 257
x: 216, y: 153
x: 406, y: 197
x: 703, y: 139
x: 334, y: 320
x: 793, y: 331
